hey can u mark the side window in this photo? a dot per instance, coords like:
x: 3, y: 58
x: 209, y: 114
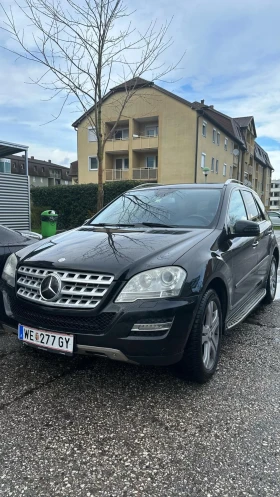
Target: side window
x: 262, y: 208
x: 253, y: 210
x: 236, y: 210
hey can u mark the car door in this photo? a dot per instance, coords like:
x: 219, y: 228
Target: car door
x: 241, y: 254
x: 256, y: 213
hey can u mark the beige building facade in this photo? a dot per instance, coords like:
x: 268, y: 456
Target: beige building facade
x: 163, y: 138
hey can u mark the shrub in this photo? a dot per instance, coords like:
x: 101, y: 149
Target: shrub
x: 74, y: 203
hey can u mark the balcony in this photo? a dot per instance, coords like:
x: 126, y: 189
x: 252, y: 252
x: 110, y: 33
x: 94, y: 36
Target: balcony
x: 145, y: 142
x: 117, y: 145
x: 147, y: 174
x: 116, y: 174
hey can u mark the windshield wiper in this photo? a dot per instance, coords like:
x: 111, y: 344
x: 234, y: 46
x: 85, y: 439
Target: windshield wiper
x: 156, y: 225
x: 114, y: 224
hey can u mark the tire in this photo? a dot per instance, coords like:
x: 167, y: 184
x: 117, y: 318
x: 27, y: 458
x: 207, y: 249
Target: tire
x: 271, y: 284
x: 202, y: 351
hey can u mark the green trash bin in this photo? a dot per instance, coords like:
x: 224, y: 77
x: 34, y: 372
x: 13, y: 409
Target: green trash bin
x: 48, y: 223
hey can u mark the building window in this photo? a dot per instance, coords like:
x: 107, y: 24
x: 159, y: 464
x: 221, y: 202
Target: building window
x: 217, y: 166
x: 226, y: 143
x: 41, y: 180
x: 218, y: 138
x: 35, y: 168
x: 151, y: 130
x: 14, y: 165
x: 212, y: 164
x: 92, y: 135
x: 204, y: 125
x: 203, y: 160
x: 57, y: 181
x: 34, y: 179
x: 93, y: 163
x: 214, y: 135
x: 151, y: 161
x: 21, y: 167
x: 224, y: 170
x: 43, y: 169
x: 5, y: 166
x: 122, y: 163
x: 121, y: 134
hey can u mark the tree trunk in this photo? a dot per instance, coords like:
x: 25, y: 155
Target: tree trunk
x: 100, y: 191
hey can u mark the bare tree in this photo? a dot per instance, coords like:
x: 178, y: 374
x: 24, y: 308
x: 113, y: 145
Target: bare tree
x: 83, y: 45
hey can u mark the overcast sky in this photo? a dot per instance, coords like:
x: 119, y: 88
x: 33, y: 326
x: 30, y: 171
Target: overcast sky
x: 232, y: 61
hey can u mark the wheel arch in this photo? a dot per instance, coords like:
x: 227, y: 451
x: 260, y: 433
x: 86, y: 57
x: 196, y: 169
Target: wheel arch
x: 276, y: 254
x: 220, y: 288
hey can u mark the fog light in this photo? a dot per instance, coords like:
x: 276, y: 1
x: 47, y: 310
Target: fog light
x: 164, y: 327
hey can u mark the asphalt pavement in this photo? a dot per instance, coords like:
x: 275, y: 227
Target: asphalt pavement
x: 94, y: 428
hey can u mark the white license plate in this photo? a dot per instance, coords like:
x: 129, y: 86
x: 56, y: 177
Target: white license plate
x: 58, y: 342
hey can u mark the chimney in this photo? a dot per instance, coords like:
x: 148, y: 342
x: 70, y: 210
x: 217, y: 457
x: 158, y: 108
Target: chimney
x: 202, y: 102
x: 49, y: 161
x: 32, y: 157
x: 211, y: 106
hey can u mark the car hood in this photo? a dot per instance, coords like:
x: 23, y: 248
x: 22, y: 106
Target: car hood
x: 121, y: 252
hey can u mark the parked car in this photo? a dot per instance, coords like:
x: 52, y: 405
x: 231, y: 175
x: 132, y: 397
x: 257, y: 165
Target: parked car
x: 153, y: 278
x: 10, y: 242
x: 274, y: 217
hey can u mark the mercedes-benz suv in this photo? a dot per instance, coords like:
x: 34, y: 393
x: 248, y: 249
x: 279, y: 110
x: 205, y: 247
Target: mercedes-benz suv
x: 153, y: 278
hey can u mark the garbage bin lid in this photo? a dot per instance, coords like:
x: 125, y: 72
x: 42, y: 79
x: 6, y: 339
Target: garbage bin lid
x: 49, y: 213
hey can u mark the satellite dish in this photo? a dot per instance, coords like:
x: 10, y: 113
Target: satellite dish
x: 235, y: 152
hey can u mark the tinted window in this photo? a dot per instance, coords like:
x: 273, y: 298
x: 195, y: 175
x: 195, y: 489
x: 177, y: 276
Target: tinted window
x: 174, y: 207
x: 236, y: 210
x: 261, y: 207
x: 254, y: 212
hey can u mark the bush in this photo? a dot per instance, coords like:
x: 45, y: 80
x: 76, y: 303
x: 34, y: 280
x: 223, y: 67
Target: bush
x: 74, y: 203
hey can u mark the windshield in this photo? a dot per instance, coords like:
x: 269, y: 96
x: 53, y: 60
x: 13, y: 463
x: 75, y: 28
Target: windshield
x: 170, y: 207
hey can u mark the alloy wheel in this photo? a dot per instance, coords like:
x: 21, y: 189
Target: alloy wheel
x: 210, y: 335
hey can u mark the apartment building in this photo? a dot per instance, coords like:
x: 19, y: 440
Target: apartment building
x: 275, y: 195
x: 40, y: 172
x: 163, y: 138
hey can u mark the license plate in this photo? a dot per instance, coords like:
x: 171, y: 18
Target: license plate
x: 58, y: 342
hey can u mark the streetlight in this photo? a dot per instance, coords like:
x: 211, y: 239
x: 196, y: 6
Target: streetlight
x: 205, y: 171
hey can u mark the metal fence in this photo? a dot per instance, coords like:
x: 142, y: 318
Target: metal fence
x: 14, y: 201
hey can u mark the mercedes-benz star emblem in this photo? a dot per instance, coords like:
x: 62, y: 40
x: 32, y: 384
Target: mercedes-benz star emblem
x: 50, y: 287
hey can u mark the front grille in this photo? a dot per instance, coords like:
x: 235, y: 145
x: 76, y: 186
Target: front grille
x: 95, y: 325
x: 78, y: 290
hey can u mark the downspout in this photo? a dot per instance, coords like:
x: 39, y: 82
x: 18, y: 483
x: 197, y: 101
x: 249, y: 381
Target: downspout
x: 196, y: 148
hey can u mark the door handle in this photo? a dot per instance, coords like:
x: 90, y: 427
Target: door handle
x: 255, y: 244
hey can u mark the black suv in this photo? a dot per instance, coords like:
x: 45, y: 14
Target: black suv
x: 153, y: 278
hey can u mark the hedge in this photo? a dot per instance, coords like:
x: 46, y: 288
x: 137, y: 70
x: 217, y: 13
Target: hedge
x: 74, y: 203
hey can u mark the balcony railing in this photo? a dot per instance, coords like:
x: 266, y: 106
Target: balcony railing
x: 144, y: 142
x: 116, y: 174
x: 116, y: 145
x: 148, y: 174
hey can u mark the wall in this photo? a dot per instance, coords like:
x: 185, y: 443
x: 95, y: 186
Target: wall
x: 176, y: 142
x: 206, y: 146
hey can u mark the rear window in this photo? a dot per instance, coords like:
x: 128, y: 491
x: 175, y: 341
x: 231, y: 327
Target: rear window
x: 184, y: 207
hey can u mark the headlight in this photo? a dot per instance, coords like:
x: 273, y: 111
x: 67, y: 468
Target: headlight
x: 154, y: 284
x: 9, y: 271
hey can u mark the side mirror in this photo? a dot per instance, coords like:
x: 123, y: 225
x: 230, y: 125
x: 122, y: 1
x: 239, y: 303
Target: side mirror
x: 245, y: 228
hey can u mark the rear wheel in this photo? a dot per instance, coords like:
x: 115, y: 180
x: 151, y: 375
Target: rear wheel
x: 271, y: 285
x: 202, y: 351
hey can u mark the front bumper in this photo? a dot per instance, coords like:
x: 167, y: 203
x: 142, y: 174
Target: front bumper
x: 109, y: 331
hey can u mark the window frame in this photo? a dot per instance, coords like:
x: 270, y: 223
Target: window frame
x: 217, y: 166
x: 226, y: 144
x: 122, y: 138
x: 218, y: 138
x: 155, y: 162
x: 212, y: 165
x: 227, y: 224
x: 224, y: 169
x: 243, y: 192
x: 92, y: 129
x: 150, y: 127
x: 204, y: 126
x: 89, y: 162
x: 214, y: 135
x: 204, y: 160
x: 123, y: 159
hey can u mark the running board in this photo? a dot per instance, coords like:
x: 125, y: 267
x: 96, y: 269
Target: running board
x: 243, y: 311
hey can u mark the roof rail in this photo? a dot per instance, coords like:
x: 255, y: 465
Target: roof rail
x: 146, y: 185
x: 228, y: 181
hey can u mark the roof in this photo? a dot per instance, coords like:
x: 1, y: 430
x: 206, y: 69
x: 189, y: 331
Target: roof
x: 7, y: 148
x: 244, y: 121
x: 135, y: 83
x: 73, y: 168
x: 226, y: 123
x: 262, y: 156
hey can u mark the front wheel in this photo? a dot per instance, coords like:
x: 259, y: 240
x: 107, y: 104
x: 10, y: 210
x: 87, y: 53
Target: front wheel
x: 271, y: 285
x: 202, y: 351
